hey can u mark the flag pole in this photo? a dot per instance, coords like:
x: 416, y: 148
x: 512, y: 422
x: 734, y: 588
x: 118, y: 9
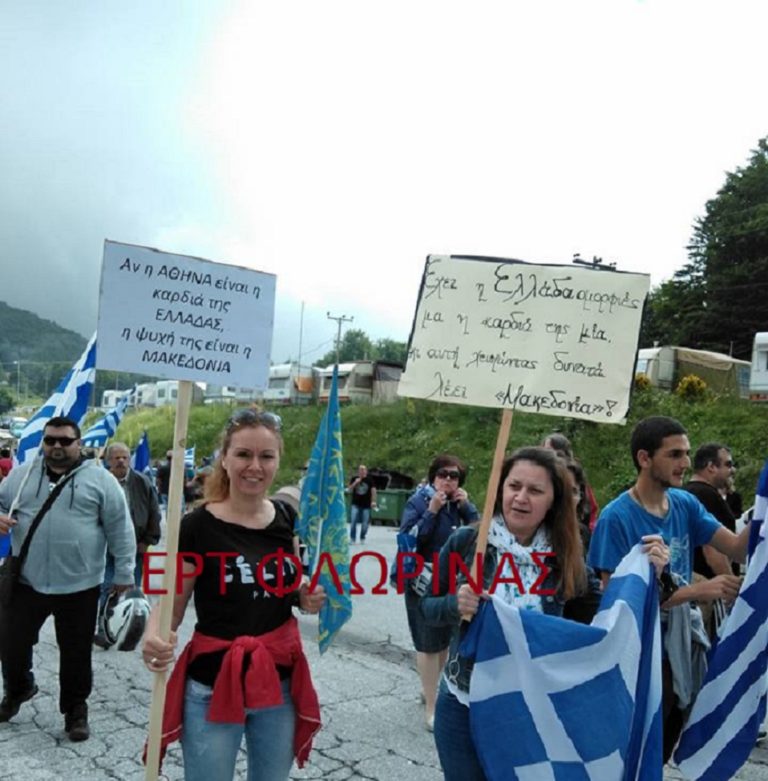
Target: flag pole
x: 173, y: 518
x: 58, y: 409
x: 15, y: 503
x: 490, y: 493
x: 327, y: 423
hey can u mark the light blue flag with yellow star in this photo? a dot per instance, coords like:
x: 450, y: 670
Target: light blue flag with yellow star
x: 322, y: 521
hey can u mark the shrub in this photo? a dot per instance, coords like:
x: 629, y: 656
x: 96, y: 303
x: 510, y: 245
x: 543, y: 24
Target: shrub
x: 642, y: 382
x: 691, y: 388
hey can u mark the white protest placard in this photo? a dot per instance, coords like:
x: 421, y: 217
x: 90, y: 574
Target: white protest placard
x: 552, y: 339
x: 184, y: 318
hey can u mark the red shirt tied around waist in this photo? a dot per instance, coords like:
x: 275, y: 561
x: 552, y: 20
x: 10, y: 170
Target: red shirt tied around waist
x: 244, y: 674
x: 260, y: 688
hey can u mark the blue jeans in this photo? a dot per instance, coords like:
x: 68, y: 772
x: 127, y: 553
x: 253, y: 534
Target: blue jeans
x: 453, y: 739
x: 210, y: 748
x: 359, y: 515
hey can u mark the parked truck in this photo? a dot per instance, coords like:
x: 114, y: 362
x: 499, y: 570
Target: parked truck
x: 758, y: 376
x: 666, y: 366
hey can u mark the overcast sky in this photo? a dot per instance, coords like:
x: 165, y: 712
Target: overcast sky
x: 336, y: 144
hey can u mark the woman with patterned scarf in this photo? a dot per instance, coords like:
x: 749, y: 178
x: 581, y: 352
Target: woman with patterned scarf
x: 534, y: 523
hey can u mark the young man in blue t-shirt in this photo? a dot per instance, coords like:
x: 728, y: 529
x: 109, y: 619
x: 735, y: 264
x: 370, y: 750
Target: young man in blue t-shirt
x: 656, y: 512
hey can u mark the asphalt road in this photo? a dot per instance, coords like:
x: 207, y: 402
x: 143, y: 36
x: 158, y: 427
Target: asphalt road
x: 368, y: 687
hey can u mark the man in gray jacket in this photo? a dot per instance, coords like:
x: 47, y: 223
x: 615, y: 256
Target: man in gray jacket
x: 64, y: 567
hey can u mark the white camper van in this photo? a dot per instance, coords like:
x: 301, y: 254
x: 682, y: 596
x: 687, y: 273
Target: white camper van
x: 367, y: 382
x: 758, y: 377
x: 289, y: 383
x: 162, y: 392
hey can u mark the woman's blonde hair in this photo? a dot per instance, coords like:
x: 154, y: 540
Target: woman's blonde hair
x: 560, y: 521
x: 217, y: 483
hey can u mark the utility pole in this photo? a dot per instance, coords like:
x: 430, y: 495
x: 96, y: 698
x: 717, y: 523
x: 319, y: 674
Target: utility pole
x: 301, y: 334
x: 340, y: 321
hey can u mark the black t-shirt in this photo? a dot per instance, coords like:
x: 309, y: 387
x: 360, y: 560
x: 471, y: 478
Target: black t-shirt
x: 245, y: 607
x: 710, y: 497
x: 361, y: 493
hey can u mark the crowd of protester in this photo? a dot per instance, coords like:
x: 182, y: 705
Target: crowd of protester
x: 244, y: 677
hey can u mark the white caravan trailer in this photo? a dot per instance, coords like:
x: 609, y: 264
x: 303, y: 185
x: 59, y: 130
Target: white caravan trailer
x: 758, y: 376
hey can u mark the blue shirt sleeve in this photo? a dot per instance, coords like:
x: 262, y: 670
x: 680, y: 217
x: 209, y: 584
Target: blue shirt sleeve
x: 610, y: 542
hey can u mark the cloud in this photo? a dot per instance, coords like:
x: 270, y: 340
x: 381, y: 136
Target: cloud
x: 338, y: 144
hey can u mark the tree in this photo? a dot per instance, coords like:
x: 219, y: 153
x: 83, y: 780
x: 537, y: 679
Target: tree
x: 731, y: 244
x: 390, y: 350
x: 357, y: 346
x: 6, y: 401
x: 720, y: 298
x: 673, y: 314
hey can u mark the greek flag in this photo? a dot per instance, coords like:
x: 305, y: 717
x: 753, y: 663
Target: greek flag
x: 70, y: 399
x: 141, y: 456
x: 189, y: 456
x: 554, y: 700
x: 722, y: 728
x: 105, y: 428
x: 322, y: 521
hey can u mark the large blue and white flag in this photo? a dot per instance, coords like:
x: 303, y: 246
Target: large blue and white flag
x: 721, y: 731
x: 141, y: 456
x: 70, y: 399
x: 552, y: 699
x: 322, y: 521
x: 105, y: 427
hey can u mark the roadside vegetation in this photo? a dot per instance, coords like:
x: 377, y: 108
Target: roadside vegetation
x: 406, y: 435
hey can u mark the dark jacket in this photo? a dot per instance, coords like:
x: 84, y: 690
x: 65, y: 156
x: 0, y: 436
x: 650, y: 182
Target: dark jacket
x: 443, y: 610
x: 434, y: 529
x: 144, y: 508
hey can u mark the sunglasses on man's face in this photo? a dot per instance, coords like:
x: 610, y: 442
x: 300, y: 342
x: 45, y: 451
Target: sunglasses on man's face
x: 252, y: 417
x: 63, y: 441
x: 449, y: 474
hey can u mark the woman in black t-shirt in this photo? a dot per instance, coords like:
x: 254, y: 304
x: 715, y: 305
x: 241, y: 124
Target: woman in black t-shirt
x: 244, y: 672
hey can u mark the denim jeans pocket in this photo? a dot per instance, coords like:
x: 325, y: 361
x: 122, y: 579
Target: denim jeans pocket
x: 198, y: 692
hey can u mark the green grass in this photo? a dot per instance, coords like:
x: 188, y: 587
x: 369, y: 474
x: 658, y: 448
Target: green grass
x: 406, y: 436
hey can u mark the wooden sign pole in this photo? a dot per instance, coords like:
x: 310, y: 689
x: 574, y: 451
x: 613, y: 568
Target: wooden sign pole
x: 490, y: 495
x: 173, y: 518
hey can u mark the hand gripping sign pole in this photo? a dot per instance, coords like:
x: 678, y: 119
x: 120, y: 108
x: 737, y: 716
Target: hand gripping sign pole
x: 173, y: 519
x: 550, y: 339
x: 490, y: 494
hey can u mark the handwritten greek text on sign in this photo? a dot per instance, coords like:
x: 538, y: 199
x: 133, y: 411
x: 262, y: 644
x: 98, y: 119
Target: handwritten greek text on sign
x: 557, y: 340
x: 184, y: 318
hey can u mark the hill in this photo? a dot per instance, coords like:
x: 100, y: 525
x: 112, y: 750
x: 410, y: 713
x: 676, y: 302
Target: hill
x: 25, y: 336
x: 46, y: 352
x: 406, y: 436
x: 34, y: 353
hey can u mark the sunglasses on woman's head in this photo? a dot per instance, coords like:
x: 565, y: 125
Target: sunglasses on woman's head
x: 449, y: 474
x: 250, y: 417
